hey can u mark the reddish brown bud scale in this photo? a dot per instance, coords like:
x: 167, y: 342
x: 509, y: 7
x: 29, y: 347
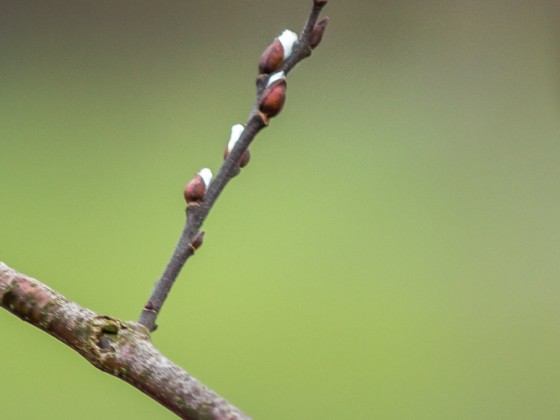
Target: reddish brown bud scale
x: 277, y: 52
x: 245, y: 157
x: 197, y: 241
x: 317, y: 33
x: 320, y: 2
x: 195, y: 190
x: 272, y: 58
x: 273, y: 98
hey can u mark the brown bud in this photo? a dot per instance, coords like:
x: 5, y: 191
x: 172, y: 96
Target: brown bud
x: 276, y: 53
x: 245, y: 157
x: 197, y: 241
x: 317, y: 32
x: 272, y: 58
x: 195, y: 190
x: 320, y: 2
x: 273, y: 98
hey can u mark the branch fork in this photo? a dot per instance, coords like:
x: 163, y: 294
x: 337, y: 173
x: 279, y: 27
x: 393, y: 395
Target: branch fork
x: 124, y: 349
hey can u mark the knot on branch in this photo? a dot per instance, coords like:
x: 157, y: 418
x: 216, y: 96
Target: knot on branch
x: 108, y: 337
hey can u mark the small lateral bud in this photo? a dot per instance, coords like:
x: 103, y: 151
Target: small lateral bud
x: 317, y: 33
x: 197, y: 241
x: 236, y: 131
x: 320, y: 2
x: 277, y: 52
x: 196, y: 188
x: 245, y: 158
x: 274, y: 95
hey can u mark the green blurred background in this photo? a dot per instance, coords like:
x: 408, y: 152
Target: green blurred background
x: 391, y: 251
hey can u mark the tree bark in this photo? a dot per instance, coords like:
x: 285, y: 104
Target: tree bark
x: 120, y: 348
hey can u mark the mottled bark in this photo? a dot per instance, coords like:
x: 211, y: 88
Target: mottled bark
x: 120, y: 348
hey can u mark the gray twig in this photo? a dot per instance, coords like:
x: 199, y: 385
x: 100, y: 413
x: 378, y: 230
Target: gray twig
x: 230, y: 168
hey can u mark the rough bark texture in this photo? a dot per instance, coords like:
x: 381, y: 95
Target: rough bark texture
x: 122, y: 349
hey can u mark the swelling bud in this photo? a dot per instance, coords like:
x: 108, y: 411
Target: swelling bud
x: 277, y: 52
x: 197, y: 241
x: 196, y: 188
x: 273, y: 97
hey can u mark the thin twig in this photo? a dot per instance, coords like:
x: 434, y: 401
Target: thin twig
x: 229, y: 169
x: 123, y: 349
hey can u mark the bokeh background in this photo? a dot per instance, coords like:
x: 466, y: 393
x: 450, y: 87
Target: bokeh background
x: 391, y: 251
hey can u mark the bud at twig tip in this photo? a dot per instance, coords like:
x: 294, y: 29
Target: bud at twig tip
x: 317, y: 32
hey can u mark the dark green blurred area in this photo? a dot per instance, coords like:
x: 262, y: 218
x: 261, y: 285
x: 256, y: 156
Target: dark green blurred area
x: 391, y: 251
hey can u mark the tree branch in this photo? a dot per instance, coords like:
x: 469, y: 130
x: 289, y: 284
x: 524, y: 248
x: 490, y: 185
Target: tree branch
x: 258, y: 119
x: 122, y: 349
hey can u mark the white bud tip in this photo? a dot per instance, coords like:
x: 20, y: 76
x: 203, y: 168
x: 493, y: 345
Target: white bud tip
x: 236, y: 131
x: 274, y: 77
x: 288, y: 39
x: 206, y: 175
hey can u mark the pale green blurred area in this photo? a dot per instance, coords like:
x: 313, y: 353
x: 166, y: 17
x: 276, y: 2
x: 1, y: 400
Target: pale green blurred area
x: 392, y: 251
